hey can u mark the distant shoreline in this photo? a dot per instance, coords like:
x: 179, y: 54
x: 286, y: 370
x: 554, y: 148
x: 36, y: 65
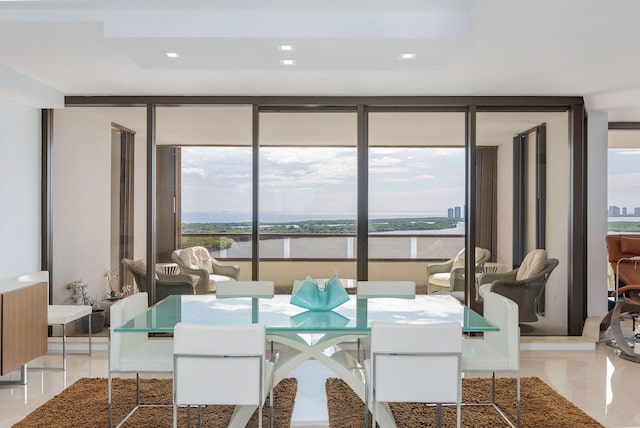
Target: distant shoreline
x: 328, y: 226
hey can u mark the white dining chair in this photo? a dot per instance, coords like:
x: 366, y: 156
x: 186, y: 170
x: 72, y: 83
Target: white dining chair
x: 496, y: 351
x: 135, y: 352
x: 414, y: 363
x: 382, y: 289
x: 257, y: 289
x: 221, y: 365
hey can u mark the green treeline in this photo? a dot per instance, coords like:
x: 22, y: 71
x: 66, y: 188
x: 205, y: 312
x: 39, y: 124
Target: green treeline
x: 323, y: 226
x: 624, y: 226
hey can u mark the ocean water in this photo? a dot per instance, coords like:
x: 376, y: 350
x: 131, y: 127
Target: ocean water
x: 610, y: 219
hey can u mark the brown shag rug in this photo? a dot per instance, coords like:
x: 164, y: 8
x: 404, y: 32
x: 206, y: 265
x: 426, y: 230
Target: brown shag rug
x: 540, y: 406
x: 85, y: 404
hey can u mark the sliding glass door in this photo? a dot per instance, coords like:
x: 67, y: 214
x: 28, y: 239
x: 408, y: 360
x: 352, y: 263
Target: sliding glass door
x: 307, y: 192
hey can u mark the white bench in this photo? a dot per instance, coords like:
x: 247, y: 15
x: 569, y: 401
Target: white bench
x: 63, y: 315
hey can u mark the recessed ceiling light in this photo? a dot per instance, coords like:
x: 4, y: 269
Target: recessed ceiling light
x: 286, y: 48
x: 172, y: 55
x: 408, y: 56
x: 288, y: 61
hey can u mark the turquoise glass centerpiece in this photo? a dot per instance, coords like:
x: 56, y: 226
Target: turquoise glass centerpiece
x: 307, y: 294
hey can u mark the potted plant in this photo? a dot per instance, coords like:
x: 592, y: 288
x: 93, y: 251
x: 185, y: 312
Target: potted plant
x: 113, y: 280
x: 80, y: 296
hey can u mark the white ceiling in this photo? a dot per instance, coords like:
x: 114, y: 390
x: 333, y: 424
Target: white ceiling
x: 464, y: 47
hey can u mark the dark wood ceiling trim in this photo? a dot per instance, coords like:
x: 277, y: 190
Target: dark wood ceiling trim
x: 624, y: 125
x: 521, y: 102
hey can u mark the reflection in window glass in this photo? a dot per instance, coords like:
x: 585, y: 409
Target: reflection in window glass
x: 216, y: 200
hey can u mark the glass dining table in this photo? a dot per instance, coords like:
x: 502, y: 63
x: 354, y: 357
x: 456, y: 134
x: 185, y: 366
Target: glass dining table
x: 303, y: 334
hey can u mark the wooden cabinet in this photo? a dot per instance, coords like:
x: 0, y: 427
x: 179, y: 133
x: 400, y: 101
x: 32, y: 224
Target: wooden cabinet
x: 23, y: 323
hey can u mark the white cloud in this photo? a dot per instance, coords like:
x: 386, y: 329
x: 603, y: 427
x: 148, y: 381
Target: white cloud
x: 196, y: 171
x: 314, y: 167
x: 383, y: 161
x: 441, y: 152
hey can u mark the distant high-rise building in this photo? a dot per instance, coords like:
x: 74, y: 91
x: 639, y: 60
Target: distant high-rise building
x: 636, y: 212
x: 614, y: 211
x: 457, y: 212
x: 450, y: 212
x: 624, y: 210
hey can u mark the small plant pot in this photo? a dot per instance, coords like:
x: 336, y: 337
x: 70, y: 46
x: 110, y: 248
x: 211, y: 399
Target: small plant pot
x: 97, y: 321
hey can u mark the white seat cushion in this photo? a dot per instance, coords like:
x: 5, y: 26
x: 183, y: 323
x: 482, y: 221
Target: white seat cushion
x: 532, y: 264
x: 219, y: 278
x: 440, y: 279
x: 152, y: 355
x: 196, y: 258
x: 477, y: 354
x: 64, y: 314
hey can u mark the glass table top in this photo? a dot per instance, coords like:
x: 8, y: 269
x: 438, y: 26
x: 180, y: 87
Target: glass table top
x: 280, y: 316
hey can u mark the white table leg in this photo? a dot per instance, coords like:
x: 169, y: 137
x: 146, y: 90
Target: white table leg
x: 299, y: 349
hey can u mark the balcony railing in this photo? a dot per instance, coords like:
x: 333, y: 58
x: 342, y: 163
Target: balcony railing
x: 276, y: 246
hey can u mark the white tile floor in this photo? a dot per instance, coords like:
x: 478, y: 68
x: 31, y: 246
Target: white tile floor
x: 600, y: 383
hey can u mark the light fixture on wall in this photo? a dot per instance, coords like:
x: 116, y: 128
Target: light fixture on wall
x: 408, y: 55
x: 172, y: 54
x: 288, y: 61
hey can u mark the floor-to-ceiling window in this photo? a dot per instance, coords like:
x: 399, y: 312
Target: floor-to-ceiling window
x: 211, y: 178
x: 623, y: 184
x: 416, y: 191
x: 307, y: 193
x: 263, y: 135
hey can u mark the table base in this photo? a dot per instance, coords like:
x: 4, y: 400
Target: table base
x: 299, y: 348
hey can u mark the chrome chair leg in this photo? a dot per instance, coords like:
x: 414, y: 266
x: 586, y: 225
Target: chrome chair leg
x: 64, y: 347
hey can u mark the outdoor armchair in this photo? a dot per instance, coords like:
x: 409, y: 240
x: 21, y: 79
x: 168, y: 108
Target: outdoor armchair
x: 166, y: 285
x: 198, y: 261
x: 523, y: 285
x: 449, y: 275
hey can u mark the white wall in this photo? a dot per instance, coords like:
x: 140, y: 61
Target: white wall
x: 558, y: 191
x: 81, y: 201
x: 82, y: 197
x: 140, y: 198
x: 557, y: 212
x: 505, y: 204
x: 19, y: 189
x: 597, y: 219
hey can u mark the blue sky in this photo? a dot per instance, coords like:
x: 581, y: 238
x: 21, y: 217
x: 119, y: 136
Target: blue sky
x: 322, y: 181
